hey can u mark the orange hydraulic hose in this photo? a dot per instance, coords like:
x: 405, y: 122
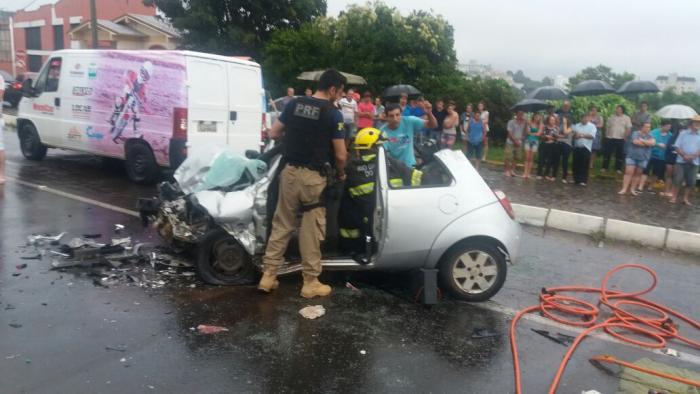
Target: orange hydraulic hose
x: 659, y: 327
x: 610, y: 359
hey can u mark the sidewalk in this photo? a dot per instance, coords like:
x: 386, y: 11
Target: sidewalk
x: 599, y: 198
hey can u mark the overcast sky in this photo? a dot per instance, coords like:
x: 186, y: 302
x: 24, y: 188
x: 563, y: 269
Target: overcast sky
x: 548, y: 37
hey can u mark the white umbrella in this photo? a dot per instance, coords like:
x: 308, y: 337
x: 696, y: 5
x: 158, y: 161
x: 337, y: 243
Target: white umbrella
x: 676, y: 111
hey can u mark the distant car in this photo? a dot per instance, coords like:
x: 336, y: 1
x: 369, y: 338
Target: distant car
x: 13, y: 89
x: 453, y: 223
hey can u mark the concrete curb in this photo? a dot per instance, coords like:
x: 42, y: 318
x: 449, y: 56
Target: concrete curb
x: 618, y: 230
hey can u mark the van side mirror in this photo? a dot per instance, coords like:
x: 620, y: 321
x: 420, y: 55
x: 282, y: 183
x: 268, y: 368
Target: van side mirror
x: 27, y: 89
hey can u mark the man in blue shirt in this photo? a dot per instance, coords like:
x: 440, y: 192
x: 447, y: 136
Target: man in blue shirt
x: 657, y: 164
x: 687, y: 161
x: 399, y: 131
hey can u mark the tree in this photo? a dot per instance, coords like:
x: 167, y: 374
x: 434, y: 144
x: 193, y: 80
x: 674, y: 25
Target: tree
x: 236, y: 27
x: 372, y: 40
x: 603, y: 73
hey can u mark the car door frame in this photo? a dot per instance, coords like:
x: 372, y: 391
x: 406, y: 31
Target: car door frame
x: 388, y: 255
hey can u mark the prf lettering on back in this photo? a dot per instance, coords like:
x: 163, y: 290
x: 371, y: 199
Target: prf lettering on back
x: 307, y: 111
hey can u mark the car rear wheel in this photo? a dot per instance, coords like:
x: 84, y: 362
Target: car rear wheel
x: 30, y: 143
x: 141, y: 165
x: 221, y: 260
x: 473, y: 271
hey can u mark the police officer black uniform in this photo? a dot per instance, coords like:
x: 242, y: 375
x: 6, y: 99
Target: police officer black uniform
x: 313, y: 135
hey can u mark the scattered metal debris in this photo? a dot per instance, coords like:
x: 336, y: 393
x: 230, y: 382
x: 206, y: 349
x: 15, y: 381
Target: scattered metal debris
x: 34, y: 257
x: 38, y: 239
x: 92, y: 236
x: 120, y: 348
x: 479, y: 333
x: 312, y: 311
x: 562, y: 339
x: 351, y: 286
x: 21, y: 266
x: 15, y: 325
x: 207, y: 329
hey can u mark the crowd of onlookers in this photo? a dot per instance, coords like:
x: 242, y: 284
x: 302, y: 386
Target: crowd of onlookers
x: 561, y: 145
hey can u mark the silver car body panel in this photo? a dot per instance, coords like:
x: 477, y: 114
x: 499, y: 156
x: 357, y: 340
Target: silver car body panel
x: 420, y: 219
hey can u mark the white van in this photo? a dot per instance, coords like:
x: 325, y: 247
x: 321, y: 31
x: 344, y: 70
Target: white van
x: 146, y: 107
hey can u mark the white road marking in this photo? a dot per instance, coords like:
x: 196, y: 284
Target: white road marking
x: 74, y: 197
x: 533, y: 317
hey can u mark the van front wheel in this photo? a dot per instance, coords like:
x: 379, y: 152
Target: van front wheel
x: 141, y: 165
x: 30, y: 143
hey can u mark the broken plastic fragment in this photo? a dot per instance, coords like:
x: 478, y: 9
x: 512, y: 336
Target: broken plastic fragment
x: 313, y: 312
x: 207, y: 329
x: 40, y: 238
x: 671, y: 352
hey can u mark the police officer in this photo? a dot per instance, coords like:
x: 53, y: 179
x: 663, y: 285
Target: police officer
x: 313, y: 135
x: 359, y: 199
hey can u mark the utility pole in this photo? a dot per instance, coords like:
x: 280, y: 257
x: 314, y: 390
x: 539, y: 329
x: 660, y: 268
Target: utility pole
x: 93, y: 23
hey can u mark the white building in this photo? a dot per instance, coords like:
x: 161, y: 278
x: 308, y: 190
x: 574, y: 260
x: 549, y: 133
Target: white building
x: 474, y: 69
x: 676, y: 83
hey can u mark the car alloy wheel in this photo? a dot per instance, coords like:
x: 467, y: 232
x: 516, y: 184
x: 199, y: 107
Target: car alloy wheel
x: 475, y: 271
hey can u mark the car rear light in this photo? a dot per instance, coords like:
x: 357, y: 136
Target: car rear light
x: 505, y: 203
x: 180, y: 123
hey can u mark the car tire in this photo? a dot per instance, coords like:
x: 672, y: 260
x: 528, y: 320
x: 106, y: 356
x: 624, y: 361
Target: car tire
x: 141, y: 165
x: 221, y: 260
x: 30, y: 144
x: 473, y: 270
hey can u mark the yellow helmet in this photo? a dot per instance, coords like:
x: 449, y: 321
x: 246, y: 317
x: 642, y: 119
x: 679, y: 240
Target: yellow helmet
x: 367, y: 138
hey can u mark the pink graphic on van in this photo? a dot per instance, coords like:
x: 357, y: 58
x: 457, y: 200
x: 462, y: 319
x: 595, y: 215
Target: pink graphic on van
x: 133, y: 98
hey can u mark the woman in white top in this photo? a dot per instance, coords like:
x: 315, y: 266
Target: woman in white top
x: 481, y: 108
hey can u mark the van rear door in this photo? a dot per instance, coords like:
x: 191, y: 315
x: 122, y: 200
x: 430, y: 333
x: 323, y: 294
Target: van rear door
x: 245, y: 107
x: 208, y: 104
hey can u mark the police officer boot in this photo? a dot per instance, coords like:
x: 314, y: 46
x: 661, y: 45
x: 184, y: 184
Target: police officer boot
x: 268, y: 282
x: 313, y: 288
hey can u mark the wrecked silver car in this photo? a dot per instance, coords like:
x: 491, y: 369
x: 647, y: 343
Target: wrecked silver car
x: 453, y: 228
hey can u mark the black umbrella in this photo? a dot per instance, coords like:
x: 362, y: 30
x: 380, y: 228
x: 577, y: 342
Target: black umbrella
x: 592, y: 87
x: 637, y: 87
x: 530, y: 105
x: 392, y: 93
x: 548, y: 93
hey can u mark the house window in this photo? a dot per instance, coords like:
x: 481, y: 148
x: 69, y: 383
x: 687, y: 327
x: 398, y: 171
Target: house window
x: 33, y: 37
x: 34, y: 63
x: 5, y: 52
x: 58, y: 37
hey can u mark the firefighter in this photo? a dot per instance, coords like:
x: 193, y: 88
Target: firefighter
x: 357, y: 205
x: 313, y: 136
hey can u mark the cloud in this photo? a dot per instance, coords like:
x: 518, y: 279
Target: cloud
x: 546, y: 37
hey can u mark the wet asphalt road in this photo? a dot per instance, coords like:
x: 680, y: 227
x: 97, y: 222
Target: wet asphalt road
x: 375, y: 340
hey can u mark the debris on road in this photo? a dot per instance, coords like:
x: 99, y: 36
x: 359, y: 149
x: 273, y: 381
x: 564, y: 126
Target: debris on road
x: 38, y: 239
x: 351, y: 286
x: 15, y: 325
x: 671, y: 352
x: 34, y: 257
x: 480, y: 333
x: 117, y: 262
x: 207, y: 329
x: 562, y: 339
x: 21, y: 266
x: 120, y: 348
x: 312, y: 312
x: 118, y: 227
